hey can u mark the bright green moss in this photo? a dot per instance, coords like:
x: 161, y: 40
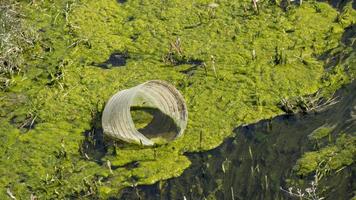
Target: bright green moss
x: 347, y: 16
x: 331, y: 157
x: 320, y: 133
x: 258, y: 59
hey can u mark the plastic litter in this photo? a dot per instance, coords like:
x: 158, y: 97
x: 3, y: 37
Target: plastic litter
x: 169, y: 123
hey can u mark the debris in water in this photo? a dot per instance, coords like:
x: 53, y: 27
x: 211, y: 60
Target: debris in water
x: 170, y: 113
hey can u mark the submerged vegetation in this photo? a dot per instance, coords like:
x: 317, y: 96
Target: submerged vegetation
x: 332, y: 157
x: 232, y: 64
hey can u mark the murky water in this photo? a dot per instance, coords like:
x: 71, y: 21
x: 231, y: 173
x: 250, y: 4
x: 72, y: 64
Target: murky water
x: 259, y: 158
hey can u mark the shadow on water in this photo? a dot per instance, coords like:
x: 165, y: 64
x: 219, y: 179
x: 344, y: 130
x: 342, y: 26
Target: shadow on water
x: 195, y: 64
x: 156, y: 123
x: 259, y: 159
x: 151, y: 122
x: 94, y: 147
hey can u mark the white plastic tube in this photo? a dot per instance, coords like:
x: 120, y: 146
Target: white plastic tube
x: 117, y: 122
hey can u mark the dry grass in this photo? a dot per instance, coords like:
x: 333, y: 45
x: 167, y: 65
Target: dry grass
x: 15, y: 38
x: 314, y: 102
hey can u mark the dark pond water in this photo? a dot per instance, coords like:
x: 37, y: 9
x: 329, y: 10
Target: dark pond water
x: 259, y: 158
x: 116, y: 59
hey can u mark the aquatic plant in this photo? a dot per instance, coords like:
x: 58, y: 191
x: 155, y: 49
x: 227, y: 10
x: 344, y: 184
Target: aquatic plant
x: 310, y: 193
x: 331, y: 158
x: 347, y: 15
x: 64, y: 87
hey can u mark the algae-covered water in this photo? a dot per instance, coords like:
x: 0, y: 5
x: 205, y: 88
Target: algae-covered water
x: 234, y: 65
x: 259, y: 159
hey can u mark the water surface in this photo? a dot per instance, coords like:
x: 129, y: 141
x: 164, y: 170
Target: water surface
x: 259, y: 159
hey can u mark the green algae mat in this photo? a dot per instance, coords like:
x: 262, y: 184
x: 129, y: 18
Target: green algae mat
x: 232, y: 63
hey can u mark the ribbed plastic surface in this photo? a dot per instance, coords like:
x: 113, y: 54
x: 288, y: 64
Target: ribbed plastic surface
x: 117, y: 121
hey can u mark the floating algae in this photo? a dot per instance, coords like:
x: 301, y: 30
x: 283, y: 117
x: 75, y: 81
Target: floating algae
x: 62, y: 89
